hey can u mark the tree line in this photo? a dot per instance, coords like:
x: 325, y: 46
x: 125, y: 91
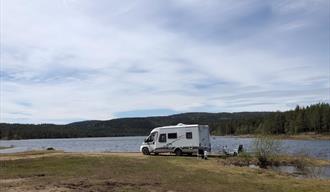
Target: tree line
x: 313, y: 118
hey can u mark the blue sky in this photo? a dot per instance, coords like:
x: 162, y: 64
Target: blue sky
x: 70, y: 60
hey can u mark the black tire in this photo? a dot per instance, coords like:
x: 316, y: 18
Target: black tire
x: 156, y: 153
x: 178, y: 152
x: 145, y: 151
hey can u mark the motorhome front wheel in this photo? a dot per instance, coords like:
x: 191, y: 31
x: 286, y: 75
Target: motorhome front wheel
x: 145, y: 151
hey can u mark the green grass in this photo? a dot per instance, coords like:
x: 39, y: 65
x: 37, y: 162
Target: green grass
x: 5, y: 147
x: 151, y: 173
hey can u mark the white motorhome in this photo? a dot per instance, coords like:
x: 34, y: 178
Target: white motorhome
x: 179, y: 139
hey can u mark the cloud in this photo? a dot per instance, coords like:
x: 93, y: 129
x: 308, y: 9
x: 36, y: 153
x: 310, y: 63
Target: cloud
x: 69, y: 60
x: 146, y: 113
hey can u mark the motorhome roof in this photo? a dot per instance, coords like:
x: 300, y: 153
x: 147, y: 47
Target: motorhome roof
x: 180, y: 125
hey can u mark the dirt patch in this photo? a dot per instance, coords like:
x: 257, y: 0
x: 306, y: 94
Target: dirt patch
x: 33, y: 155
x: 86, y: 185
x: 81, y: 185
x: 11, y: 181
x: 13, y: 185
x: 28, y: 155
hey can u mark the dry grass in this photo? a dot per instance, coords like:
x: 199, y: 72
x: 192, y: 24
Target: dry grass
x: 57, y: 171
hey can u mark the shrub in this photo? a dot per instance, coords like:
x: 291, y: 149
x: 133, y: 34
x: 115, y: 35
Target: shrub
x: 266, y: 149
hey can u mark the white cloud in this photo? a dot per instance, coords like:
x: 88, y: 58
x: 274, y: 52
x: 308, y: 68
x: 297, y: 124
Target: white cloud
x: 71, y: 60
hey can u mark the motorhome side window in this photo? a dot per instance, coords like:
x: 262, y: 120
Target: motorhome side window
x: 172, y: 135
x: 162, y: 138
x: 188, y: 135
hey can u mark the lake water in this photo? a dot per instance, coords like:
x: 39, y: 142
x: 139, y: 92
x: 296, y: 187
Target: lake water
x: 314, y: 148
x: 322, y: 172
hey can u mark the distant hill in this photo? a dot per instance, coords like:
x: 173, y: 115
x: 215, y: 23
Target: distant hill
x: 314, y: 118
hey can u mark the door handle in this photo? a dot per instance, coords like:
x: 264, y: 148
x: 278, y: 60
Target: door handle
x: 153, y: 142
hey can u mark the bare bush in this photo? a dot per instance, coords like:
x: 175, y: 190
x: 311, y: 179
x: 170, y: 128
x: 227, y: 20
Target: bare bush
x: 266, y: 149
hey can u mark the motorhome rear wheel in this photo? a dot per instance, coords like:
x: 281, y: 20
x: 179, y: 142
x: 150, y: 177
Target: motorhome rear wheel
x: 178, y: 152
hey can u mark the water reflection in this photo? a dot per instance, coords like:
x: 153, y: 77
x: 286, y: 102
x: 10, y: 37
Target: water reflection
x: 322, y: 172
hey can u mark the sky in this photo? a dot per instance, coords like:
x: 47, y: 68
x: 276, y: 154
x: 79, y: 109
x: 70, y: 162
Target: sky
x: 72, y: 60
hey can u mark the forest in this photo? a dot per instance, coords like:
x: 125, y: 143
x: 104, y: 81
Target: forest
x: 314, y: 118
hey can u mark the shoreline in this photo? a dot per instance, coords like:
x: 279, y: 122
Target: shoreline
x: 6, y: 147
x: 306, y: 136
x: 284, y: 137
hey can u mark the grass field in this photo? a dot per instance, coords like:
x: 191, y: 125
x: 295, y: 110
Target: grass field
x: 58, y: 171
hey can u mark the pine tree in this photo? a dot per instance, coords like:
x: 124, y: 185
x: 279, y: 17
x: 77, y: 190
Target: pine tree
x: 300, y: 122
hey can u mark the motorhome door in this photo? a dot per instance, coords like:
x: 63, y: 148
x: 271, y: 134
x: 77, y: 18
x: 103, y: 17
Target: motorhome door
x: 151, y: 141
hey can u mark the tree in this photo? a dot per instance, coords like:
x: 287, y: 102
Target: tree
x: 300, y: 122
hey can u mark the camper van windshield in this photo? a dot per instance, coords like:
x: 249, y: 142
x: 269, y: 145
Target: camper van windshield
x: 151, y: 137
